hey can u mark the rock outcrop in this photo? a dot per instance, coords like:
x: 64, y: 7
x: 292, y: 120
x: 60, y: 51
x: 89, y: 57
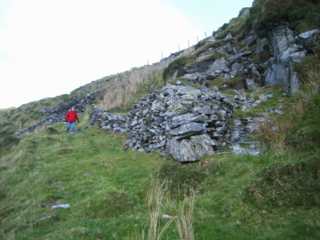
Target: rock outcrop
x: 286, y: 52
x: 254, y: 61
x: 221, y: 59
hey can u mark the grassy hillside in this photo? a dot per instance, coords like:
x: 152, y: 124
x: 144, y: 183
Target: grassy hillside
x: 273, y: 196
x: 115, y: 193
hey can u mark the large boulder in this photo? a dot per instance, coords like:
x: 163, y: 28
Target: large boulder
x: 192, y: 149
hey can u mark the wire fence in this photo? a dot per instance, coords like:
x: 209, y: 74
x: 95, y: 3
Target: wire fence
x: 181, y: 46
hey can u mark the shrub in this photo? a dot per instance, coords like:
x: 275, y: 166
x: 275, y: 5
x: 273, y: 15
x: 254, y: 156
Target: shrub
x: 306, y: 129
x: 288, y: 185
x: 305, y: 134
x: 308, y: 70
x: 301, y: 14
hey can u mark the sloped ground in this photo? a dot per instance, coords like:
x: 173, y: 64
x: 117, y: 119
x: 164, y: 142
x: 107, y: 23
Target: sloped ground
x: 272, y: 196
x: 106, y: 188
x: 103, y: 184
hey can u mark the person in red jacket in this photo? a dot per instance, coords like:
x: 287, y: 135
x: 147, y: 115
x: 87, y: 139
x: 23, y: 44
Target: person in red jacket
x: 71, y: 118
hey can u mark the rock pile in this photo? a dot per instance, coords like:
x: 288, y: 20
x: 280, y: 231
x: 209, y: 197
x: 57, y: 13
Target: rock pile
x: 186, y: 123
x: 183, y: 121
x: 106, y: 120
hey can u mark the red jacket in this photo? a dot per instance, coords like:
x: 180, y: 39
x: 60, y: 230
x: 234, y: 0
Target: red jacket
x: 71, y: 116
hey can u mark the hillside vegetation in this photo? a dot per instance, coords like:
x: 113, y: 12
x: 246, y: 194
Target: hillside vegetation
x: 273, y: 196
x: 301, y: 14
x: 110, y: 192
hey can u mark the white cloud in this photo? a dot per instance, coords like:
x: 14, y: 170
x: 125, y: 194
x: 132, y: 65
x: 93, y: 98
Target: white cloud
x: 51, y: 47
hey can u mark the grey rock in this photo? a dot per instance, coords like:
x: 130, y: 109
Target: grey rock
x: 236, y: 68
x: 244, y: 12
x: 241, y: 143
x: 188, y: 129
x: 292, y: 53
x: 219, y: 66
x: 236, y: 135
x: 195, y: 77
x: 184, y: 119
x: 250, y: 40
x: 286, y: 53
x: 191, y: 150
x: 252, y: 150
x: 250, y: 84
x: 309, y: 34
x: 228, y: 37
x: 276, y: 74
x: 238, y: 56
x: 109, y: 121
x: 282, y: 39
x: 294, y: 85
x: 64, y: 206
x: 262, y: 45
x: 203, y: 109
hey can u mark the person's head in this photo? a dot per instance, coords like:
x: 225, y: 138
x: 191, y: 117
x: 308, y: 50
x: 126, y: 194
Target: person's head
x: 72, y: 109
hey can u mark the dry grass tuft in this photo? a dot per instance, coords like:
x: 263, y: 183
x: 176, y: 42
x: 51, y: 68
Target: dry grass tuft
x: 155, y: 198
x: 155, y: 201
x: 184, y: 219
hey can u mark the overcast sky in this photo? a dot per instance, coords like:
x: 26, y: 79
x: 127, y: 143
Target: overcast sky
x: 50, y: 47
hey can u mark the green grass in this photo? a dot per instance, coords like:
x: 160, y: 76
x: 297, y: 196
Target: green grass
x: 89, y: 170
x: 107, y: 187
